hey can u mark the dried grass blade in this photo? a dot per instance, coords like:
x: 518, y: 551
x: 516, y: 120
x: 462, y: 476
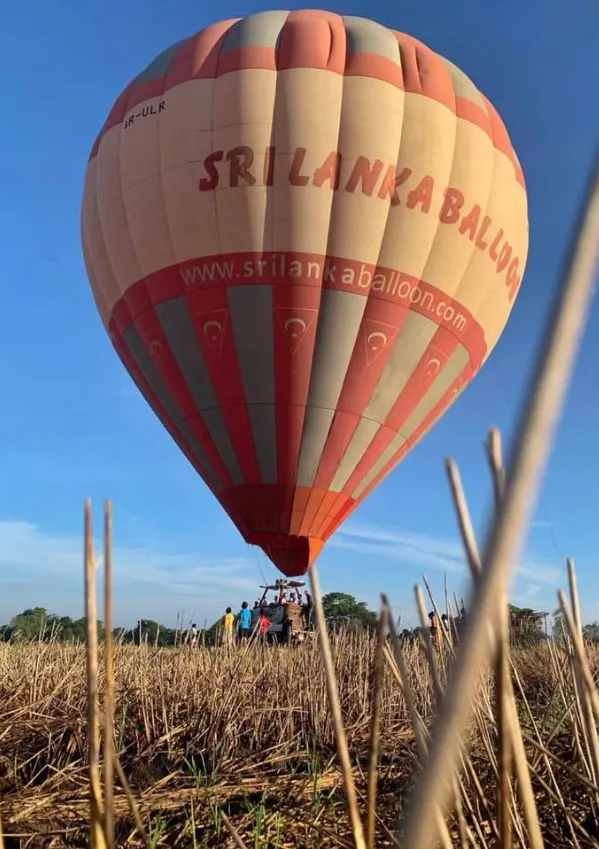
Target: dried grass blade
x: 96, y: 836
x: 415, y: 718
x: 232, y: 831
x: 132, y: 804
x: 502, y: 672
x: 375, y: 727
x: 428, y: 643
x: 586, y: 687
x: 109, y: 672
x: 335, y: 707
x: 464, y: 521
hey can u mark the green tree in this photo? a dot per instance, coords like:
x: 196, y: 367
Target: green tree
x: 150, y: 632
x: 559, y: 629
x: 526, y: 625
x: 36, y: 623
x: 146, y: 630
x: 343, y: 605
x: 591, y: 632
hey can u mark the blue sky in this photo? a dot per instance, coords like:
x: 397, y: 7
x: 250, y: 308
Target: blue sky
x: 73, y: 425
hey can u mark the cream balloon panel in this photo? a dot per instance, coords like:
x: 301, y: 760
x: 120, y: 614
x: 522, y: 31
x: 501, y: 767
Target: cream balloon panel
x: 188, y: 111
x: 244, y: 103
x: 243, y: 97
x: 143, y: 189
x: 302, y: 214
x: 190, y: 218
x: 308, y: 103
x: 426, y: 147
x: 185, y: 131
x: 103, y: 277
x: 506, y: 204
x: 147, y: 225
x: 98, y: 290
x: 366, y: 120
x: 483, y: 290
x: 472, y: 174
x: 372, y: 118
x: 139, y: 148
x: 103, y: 283
x: 191, y: 214
x: 245, y: 214
x: 136, y: 226
x: 511, y: 213
x: 243, y: 108
x: 114, y: 226
x: 257, y: 217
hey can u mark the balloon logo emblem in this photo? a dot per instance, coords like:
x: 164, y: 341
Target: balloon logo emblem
x: 436, y: 361
x: 156, y: 349
x: 376, y: 341
x: 377, y: 337
x: 213, y: 331
x: 295, y: 327
x: 433, y: 367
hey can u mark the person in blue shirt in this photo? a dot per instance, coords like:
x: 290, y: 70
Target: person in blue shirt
x: 245, y: 617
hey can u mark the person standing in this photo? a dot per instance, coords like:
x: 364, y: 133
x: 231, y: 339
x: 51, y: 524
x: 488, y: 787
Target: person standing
x: 434, y: 629
x: 229, y: 619
x: 307, y: 610
x: 244, y: 618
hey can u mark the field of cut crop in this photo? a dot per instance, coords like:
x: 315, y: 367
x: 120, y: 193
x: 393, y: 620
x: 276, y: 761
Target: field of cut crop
x: 249, y: 733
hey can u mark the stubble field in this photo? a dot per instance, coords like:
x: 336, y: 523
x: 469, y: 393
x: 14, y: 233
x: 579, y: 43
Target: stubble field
x: 249, y: 733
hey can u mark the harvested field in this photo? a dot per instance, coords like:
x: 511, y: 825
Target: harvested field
x: 248, y: 732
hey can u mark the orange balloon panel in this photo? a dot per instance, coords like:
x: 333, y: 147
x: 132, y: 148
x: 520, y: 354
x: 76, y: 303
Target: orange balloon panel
x: 305, y: 234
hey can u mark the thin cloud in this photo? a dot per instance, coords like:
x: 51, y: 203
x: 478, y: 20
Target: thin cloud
x: 424, y: 552
x: 416, y: 550
x: 527, y: 594
x: 36, y: 561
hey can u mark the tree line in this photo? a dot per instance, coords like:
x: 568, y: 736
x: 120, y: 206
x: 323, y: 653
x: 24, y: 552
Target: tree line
x: 38, y: 624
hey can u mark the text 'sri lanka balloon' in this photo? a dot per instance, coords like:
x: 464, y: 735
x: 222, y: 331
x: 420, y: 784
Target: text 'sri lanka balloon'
x: 305, y: 234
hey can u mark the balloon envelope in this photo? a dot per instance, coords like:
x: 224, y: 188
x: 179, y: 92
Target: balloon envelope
x: 304, y: 234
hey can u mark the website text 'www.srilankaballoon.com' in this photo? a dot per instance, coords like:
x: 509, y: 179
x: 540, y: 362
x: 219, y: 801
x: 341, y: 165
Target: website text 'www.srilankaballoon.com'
x: 348, y: 275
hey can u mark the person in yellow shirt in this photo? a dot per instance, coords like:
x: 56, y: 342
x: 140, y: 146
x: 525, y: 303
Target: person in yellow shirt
x: 229, y: 619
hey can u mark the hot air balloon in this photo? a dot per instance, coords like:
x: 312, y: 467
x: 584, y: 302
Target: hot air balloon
x: 304, y: 233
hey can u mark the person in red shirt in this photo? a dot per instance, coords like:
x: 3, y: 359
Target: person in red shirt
x: 263, y: 626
